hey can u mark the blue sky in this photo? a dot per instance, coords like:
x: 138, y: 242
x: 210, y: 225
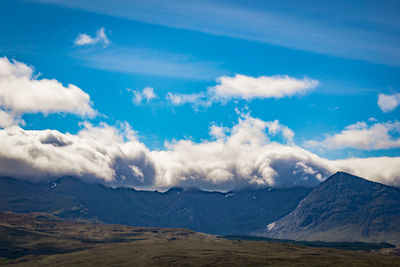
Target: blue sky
x: 350, y: 48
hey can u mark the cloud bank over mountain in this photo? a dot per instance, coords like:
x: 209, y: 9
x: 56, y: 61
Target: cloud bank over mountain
x: 241, y: 156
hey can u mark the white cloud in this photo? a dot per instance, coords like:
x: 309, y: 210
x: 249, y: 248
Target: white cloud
x: 240, y: 156
x: 218, y: 132
x: 274, y: 127
x: 103, y: 153
x: 247, y: 88
x: 146, y: 95
x: 244, y: 155
x: 6, y: 119
x: 236, y: 157
x: 362, y: 136
x: 388, y: 103
x: 181, y: 99
x: 83, y: 39
x: 22, y: 92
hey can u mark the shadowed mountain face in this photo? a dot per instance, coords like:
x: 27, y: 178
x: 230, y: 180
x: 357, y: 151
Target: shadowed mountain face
x: 240, y: 212
x: 343, y: 208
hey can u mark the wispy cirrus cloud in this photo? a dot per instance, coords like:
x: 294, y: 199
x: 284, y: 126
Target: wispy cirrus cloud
x: 148, y: 61
x: 346, y: 29
x: 84, y: 40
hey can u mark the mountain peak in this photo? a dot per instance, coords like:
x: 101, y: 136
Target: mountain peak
x: 340, y: 175
x: 348, y: 181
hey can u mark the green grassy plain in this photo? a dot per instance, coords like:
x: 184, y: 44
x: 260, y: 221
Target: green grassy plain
x: 41, y: 240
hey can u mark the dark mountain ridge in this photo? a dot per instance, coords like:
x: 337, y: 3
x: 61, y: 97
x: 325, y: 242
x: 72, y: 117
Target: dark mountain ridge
x: 236, y: 212
x: 343, y: 208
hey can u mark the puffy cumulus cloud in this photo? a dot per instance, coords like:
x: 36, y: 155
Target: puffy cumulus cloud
x: 83, y: 39
x: 104, y: 153
x: 146, y: 95
x: 241, y: 156
x: 238, y: 157
x: 22, y: 92
x: 245, y: 156
x: 222, y: 165
x: 387, y: 103
x: 363, y: 136
x: 247, y: 88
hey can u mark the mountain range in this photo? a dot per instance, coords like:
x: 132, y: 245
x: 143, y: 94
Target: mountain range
x: 236, y: 212
x: 342, y: 208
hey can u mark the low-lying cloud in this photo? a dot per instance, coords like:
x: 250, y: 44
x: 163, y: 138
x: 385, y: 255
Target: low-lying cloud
x: 242, y: 156
x: 23, y: 92
x: 102, y: 153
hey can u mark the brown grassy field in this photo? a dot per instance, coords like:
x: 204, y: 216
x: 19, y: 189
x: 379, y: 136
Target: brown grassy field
x: 41, y: 240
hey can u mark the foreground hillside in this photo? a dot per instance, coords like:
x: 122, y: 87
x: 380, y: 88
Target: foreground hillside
x: 239, y: 212
x: 42, y: 240
x: 344, y: 208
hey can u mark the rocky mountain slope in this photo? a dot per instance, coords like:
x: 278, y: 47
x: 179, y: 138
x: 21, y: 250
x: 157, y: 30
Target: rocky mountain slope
x: 343, y: 208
